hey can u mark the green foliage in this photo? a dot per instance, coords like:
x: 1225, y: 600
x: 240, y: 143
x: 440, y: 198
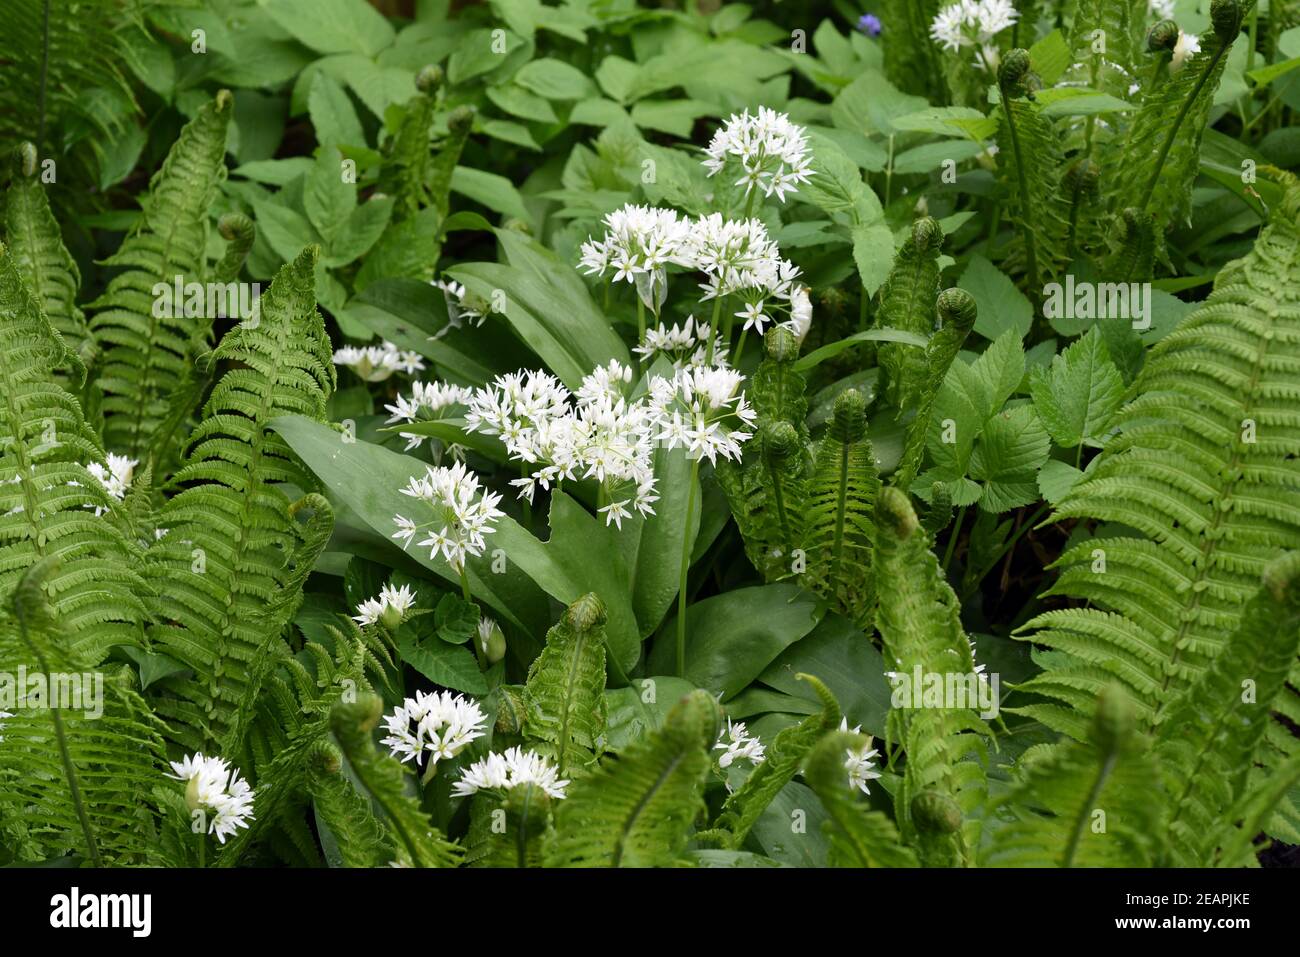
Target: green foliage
x: 638, y: 810
x: 907, y: 302
x: 564, y: 697
x: 148, y: 351
x: 234, y: 557
x: 48, y: 497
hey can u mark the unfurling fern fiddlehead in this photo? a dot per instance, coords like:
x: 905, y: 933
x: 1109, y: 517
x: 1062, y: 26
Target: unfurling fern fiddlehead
x: 43, y: 261
x: 921, y: 633
x: 838, y: 522
x: 907, y: 303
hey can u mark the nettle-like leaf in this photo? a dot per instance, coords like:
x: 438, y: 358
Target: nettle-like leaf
x: 36, y: 245
x: 637, y: 810
x: 920, y: 631
x: 51, y: 506
x: 857, y: 836
x: 564, y: 696
x: 147, y: 352
x: 229, y: 568
x: 1161, y: 155
x: 907, y: 302
x: 1078, y: 396
x: 1204, y: 472
x: 1094, y: 804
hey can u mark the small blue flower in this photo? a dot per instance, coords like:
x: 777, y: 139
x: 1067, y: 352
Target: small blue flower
x: 870, y: 24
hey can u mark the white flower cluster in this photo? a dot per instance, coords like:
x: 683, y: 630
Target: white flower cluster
x: 390, y: 607
x: 459, y: 311
x: 773, y: 152
x: 735, y: 742
x: 377, y: 363
x: 506, y: 771
x: 686, y: 345
x: 461, y: 516
x: 974, y: 23
x: 704, y: 411
x: 737, y: 257
x: 115, y: 476
x: 426, y: 401
x: 857, y: 761
x: 437, y: 726
x: 638, y: 240
x: 211, y: 786
x: 596, y: 434
x: 1188, y: 44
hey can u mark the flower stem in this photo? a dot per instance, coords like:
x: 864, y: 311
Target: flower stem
x: 713, y: 326
x: 740, y: 348
x: 687, y: 542
x: 464, y: 582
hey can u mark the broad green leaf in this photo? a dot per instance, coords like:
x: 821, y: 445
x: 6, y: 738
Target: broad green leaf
x: 333, y: 116
x: 1001, y: 305
x: 333, y: 26
x: 1078, y: 395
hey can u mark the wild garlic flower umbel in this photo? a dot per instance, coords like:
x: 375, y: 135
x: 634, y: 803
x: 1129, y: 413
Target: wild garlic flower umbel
x: 857, y: 761
x: 640, y: 242
x: 426, y: 403
x: 686, y: 345
x: 459, y: 308
x: 436, y: 727
x: 735, y: 743
x: 116, y: 475
x: 704, y: 411
x: 390, y: 607
x: 974, y: 23
x: 1187, y: 45
x: 213, y: 788
x: 772, y: 152
x: 377, y: 363
x: 597, y: 434
x: 504, y: 771
x: 738, y: 258
x: 460, y: 515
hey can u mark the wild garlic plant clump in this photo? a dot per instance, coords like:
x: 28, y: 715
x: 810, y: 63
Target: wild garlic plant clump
x: 559, y: 434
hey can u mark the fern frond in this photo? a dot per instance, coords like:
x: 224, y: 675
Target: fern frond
x: 510, y: 832
x: 957, y: 312
x: 1161, y: 154
x: 81, y: 761
x: 781, y: 762
x: 911, y: 60
x: 230, y: 568
x: 776, y: 389
x: 1215, y: 733
x: 147, y: 350
x: 36, y: 244
x: 637, y: 810
x: 564, y: 696
x: 857, y: 836
x: 359, y: 837
x: 920, y: 631
x: 1204, y: 470
x: 1111, y: 66
x: 1084, y: 805
x: 907, y: 303
x: 50, y: 504
x: 838, y: 525
x: 1031, y: 164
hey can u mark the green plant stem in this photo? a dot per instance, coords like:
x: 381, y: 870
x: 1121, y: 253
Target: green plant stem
x: 640, y: 327
x: 889, y: 173
x: 740, y: 348
x: 952, y: 538
x: 464, y: 582
x: 686, y: 565
x: 1085, y: 810
x: 713, y: 326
